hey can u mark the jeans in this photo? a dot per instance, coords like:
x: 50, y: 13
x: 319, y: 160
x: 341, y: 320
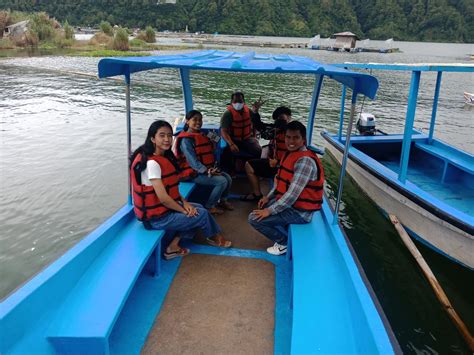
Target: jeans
x: 249, y: 149
x: 178, y: 222
x: 275, y: 227
x: 221, y: 186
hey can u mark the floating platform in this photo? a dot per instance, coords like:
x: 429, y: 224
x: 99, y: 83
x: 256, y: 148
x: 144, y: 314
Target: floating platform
x: 246, y: 43
x: 356, y: 50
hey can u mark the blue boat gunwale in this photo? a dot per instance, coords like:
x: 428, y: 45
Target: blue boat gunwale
x: 430, y: 203
x: 359, y: 279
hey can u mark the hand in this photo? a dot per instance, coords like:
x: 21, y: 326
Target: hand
x: 262, y: 202
x: 261, y: 214
x: 273, y: 162
x: 234, y: 149
x: 257, y: 104
x: 214, y: 171
x: 190, y: 210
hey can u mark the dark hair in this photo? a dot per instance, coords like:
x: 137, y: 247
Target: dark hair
x: 190, y: 115
x: 282, y: 110
x: 237, y: 93
x: 148, y: 148
x: 297, y: 126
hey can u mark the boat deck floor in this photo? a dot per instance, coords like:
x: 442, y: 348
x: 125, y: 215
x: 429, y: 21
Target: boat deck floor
x: 220, y: 304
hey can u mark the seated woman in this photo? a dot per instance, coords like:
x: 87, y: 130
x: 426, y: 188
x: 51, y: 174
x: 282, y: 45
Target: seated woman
x: 267, y: 168
x: 156, y: 198
x: 195, y: 153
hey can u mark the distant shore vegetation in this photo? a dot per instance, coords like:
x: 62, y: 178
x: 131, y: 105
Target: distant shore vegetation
x: 410, y: 20
x: 46, y: 33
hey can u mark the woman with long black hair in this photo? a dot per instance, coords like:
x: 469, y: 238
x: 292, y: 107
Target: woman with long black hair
x: 156, y: 198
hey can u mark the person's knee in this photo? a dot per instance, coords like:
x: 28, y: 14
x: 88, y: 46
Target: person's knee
x: 200, y: 209
x: 220, y: 181
x: 252, y: 219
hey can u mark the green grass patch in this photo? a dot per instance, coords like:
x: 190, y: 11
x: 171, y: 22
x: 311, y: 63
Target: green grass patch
x: 110, y: 53
x: 47, y: 45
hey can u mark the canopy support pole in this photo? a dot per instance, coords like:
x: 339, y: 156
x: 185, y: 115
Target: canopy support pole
x: 129, y: 132
x: 341, y: 116
x: 312, y: 109
x: 410, y: 120
x: 344, y: 158
x: 435, y: 107
x: 187, y: 93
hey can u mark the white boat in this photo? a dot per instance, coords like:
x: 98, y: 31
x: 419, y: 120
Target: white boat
x: 469, y: 98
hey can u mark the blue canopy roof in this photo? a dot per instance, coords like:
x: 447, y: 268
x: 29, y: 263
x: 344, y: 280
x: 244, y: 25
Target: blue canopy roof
x: 240, y: 62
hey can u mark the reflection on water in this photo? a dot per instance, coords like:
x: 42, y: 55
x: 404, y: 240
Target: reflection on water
x: 63, y: 165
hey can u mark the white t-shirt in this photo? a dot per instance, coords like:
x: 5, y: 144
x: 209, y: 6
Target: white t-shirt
x: 152, y: 171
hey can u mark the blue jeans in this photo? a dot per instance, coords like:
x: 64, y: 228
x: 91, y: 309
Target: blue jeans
x: 178, y: 222
x: 221, y: 186
x: 275, y: 227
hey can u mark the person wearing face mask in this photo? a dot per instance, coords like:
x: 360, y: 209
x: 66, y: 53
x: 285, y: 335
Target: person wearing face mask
x: 237, y: 128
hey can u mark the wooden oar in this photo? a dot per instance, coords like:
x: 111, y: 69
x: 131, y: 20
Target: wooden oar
x: 433, y: 282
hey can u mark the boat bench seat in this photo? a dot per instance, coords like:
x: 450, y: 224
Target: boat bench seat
x: 320, y: 289
x: 304, y: 250
x: 87, y: 315
x: 462, y: 162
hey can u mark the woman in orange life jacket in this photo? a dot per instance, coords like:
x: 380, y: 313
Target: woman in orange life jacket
x: 267, y: 167
x: 298, y: 192
x: 195, y: 153
x: 156, y: 198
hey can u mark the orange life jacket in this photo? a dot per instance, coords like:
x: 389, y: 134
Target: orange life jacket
x: 146, y: 203
x: 311, y: 197
x: 241, y: 128
x: 279, y: 146
x: 204, y: 152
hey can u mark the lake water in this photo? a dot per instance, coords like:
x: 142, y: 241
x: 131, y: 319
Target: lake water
x: 63, y: 163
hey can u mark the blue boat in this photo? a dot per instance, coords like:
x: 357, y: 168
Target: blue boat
x: 427, y: 183
x: 104, y: 294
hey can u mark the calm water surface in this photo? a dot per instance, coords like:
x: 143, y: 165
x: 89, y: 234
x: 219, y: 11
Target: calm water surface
x: 63, y: 164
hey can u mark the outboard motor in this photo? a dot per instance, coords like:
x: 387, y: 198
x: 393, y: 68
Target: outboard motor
x: 366, y: 124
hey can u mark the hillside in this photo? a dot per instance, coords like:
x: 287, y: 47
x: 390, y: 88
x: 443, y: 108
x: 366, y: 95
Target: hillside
x: 417, y: 20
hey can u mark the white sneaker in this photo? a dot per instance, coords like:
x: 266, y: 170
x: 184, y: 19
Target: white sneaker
x: 277, y: 249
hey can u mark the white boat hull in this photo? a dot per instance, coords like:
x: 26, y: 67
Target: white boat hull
x: 439, y: 234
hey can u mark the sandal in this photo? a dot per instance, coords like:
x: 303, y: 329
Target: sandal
x: 250, y: 197
x: 215, y: 211
x: 220, y: 242
x: 176, y: 253
x: 226, y: 205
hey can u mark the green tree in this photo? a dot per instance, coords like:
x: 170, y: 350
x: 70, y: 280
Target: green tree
x: 106, y: 28
x: 68, y: 31
x: 120, y: 42
x: 41, y: 25
x: 150, y: 36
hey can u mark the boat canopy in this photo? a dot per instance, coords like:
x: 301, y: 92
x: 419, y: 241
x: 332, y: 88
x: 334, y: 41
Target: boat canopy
x: 435, y: 67
x: 251, y: 62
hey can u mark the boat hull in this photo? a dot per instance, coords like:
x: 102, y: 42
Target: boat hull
x: 430, y: 229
